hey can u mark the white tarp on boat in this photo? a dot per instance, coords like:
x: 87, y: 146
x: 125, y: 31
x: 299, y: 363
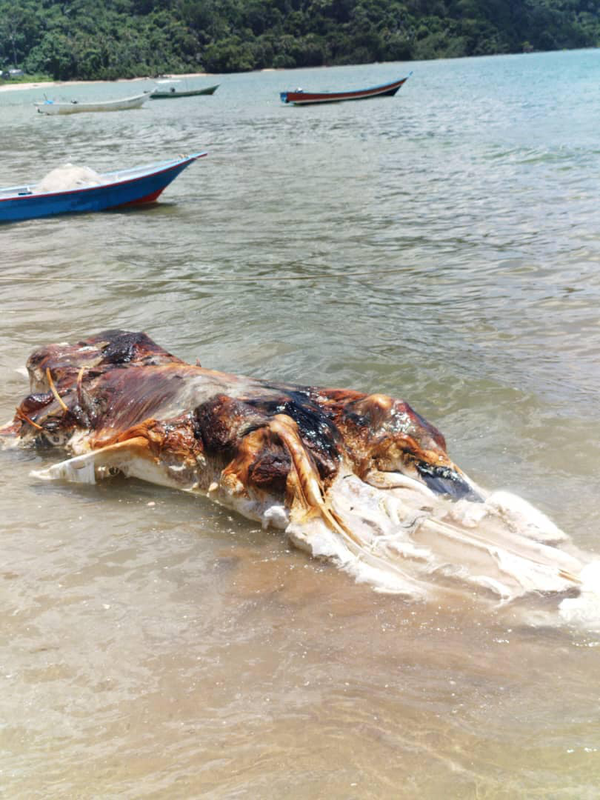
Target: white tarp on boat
x: 62, y: 179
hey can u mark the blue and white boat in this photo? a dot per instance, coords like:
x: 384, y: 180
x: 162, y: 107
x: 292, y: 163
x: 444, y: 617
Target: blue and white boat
x: 108, y: 190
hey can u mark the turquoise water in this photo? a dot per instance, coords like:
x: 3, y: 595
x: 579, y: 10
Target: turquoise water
x: 442, y: 246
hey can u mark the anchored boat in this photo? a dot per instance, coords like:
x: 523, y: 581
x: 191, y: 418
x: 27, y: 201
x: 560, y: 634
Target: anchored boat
x: 301, y: 98
x: 53, y: 107
x: 172, y: 92
x: 78, y: 189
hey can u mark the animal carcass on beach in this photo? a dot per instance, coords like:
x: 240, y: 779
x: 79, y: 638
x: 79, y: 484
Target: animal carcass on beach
x: 360, y: 479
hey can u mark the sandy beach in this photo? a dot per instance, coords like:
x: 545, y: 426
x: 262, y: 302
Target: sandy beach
x: 8, y: 87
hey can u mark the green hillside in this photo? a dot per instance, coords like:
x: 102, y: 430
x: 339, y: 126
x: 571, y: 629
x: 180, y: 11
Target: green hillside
x: 106, y: 39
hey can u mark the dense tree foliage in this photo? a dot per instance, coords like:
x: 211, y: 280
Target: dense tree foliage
x: 105, y: 39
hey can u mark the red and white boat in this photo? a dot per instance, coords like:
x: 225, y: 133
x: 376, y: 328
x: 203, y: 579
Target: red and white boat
x: 301, y: 98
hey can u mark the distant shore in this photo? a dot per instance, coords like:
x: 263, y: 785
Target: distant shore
x: 13, y: 87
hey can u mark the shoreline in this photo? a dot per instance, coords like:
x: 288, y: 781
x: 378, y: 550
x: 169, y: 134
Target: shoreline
x: 7, y: 87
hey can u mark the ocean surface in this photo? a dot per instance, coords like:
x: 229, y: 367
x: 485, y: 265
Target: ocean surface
x: 442, y: 246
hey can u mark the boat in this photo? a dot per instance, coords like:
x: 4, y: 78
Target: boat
x: 53, y: 107
x: 172, y: 92
x: 109, y: 190
x: 301, y: 98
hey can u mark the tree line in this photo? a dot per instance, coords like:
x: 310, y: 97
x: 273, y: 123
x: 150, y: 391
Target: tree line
x: 109, y: 39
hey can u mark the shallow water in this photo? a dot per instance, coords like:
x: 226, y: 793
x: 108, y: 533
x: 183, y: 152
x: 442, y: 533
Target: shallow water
x: 441, y: 246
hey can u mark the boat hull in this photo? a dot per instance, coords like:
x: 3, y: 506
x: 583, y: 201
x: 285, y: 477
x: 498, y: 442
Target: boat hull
x: 302, y: 98
x: 160, y: 95
x: 124, y: 191
x: 52, y: 109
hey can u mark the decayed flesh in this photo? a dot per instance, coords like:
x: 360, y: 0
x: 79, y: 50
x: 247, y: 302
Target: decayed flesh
x: 360, y: 479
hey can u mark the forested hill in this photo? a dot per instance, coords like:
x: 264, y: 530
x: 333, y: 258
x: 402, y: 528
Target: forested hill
x: 106, y: 39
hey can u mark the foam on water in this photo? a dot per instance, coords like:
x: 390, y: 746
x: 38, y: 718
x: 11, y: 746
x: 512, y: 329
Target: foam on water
x: 583, y: 611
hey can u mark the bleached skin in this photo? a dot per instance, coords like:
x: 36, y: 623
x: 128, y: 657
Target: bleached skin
x: 361, y: 480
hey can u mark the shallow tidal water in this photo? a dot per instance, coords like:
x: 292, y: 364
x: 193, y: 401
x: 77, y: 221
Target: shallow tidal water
x: 442, y: 246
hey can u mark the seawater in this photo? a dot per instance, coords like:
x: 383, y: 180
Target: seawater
x: 442, y: 246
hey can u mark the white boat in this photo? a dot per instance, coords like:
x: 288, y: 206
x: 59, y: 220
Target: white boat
x: 75, y: 107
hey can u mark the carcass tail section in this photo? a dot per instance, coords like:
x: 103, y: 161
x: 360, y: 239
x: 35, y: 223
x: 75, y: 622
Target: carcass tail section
x: 405, y: 539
